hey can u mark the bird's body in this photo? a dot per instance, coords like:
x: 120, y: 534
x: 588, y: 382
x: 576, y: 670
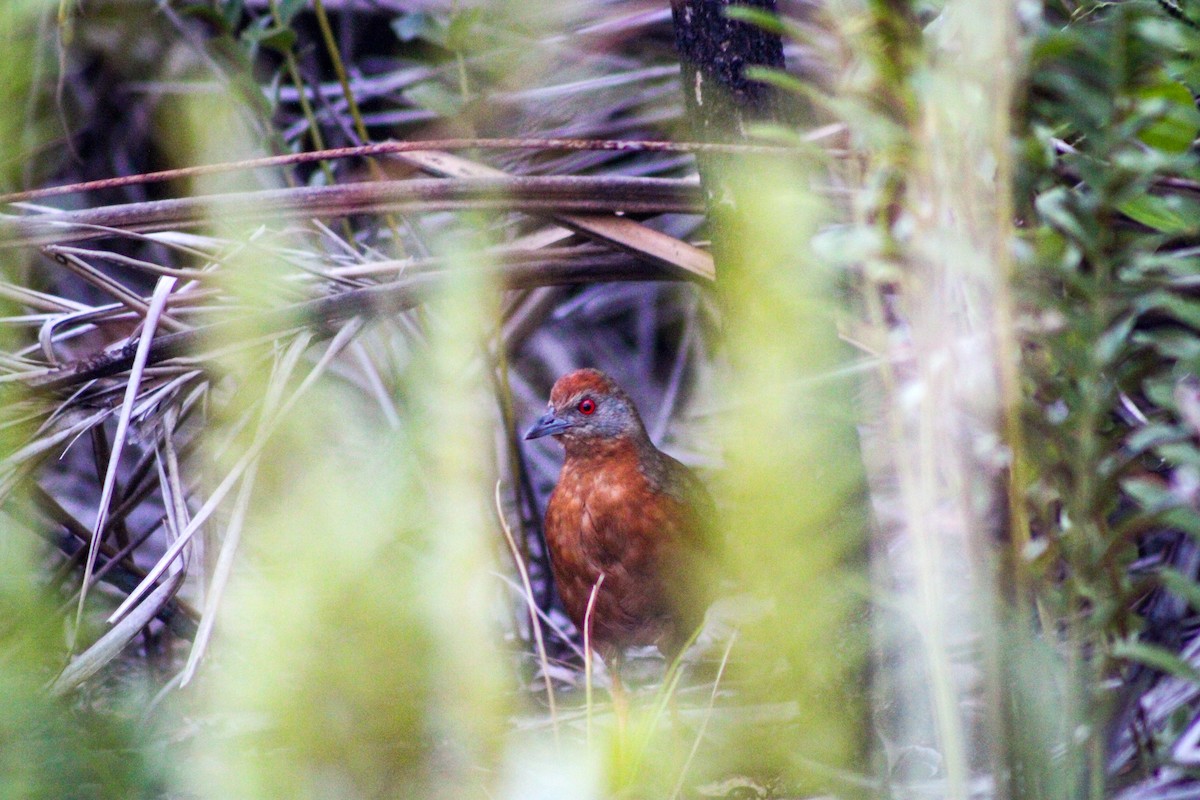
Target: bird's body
x: 625, y: 510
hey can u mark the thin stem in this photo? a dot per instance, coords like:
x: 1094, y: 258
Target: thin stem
x: 587, y: 654
x: 534, y: 624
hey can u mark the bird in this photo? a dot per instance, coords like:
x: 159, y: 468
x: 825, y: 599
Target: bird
x: 626, y: 522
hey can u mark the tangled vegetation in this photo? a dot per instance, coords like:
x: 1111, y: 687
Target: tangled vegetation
x: 283, y: 280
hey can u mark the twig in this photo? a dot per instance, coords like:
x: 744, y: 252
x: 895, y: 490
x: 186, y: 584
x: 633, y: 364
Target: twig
x: 385, y: 148
x: 540, y: 194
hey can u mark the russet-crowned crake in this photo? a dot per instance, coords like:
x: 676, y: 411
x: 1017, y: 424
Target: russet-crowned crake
x: 623, y: 509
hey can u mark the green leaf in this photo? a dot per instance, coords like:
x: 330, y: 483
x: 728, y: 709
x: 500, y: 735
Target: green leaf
x: 785, y: 135
x: 1053, y: 45
x: 1157, y: 658
x: 278, y: 38
x: 777, y: 78
x: 1153, y: 435
x: 1179, y: 453
x: 1173, y: 344
x: 420, y: 25
x: 1163, y: 214
x: 1055, y: 208
x: 461, y: 28
x: 433, y: 96
x: 758, y: 17
x: 208, y: 14
x: 1181, y: 518
x: 1176, y: 120
x: 1179, y: 584
x: 288, y: 9
x: 232, y: 10
x: 1114, y: 341
x: 1150, y: 494
x: 1181, y: 309
x: 1164, y: 33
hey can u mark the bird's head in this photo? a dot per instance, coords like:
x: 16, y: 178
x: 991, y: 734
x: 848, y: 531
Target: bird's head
x: 585, y: 406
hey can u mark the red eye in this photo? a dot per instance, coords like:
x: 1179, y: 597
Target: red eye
x: 586, y: 406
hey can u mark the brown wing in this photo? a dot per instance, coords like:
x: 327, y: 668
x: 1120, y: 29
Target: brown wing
x: 681, y: 483
x: 698, y: 547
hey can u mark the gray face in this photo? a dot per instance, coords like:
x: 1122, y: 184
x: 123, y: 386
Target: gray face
x: 611, y: 416
x: 588, y: 415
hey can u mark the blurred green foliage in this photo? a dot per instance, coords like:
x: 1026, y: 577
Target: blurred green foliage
x: 50, y: 747
x: 1107, y: 143
x: 20, y: 130
x: 793, y: 484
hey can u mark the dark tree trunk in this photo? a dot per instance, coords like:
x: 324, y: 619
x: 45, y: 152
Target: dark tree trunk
x: 715, y: 51
x: 721, y: 102
x: 722, y: 105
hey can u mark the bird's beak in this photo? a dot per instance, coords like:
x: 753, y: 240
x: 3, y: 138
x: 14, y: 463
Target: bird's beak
x: 548, y: 425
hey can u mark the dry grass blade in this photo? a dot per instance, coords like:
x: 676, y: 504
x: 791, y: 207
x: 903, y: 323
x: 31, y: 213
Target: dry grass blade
x: 390, y: 298
x: 170, y: 479
x: 288, y: 363
x: 221, y: 573
x: 387, y: 405
x: 266, y: 428
x: 634, y: 237
x: 39, y: 446
x: 108, y: 646
x: 587, y: 654
x: 132, y: 263
x: 629, y: 235
x: 548, y: 621
x: 40, y: 301
x: 158, y: 302
x: 109, y: 286
x: 712, y: 699
x: 533, y: 610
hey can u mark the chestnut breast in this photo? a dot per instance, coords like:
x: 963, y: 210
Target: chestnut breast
x: 632, y: 513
